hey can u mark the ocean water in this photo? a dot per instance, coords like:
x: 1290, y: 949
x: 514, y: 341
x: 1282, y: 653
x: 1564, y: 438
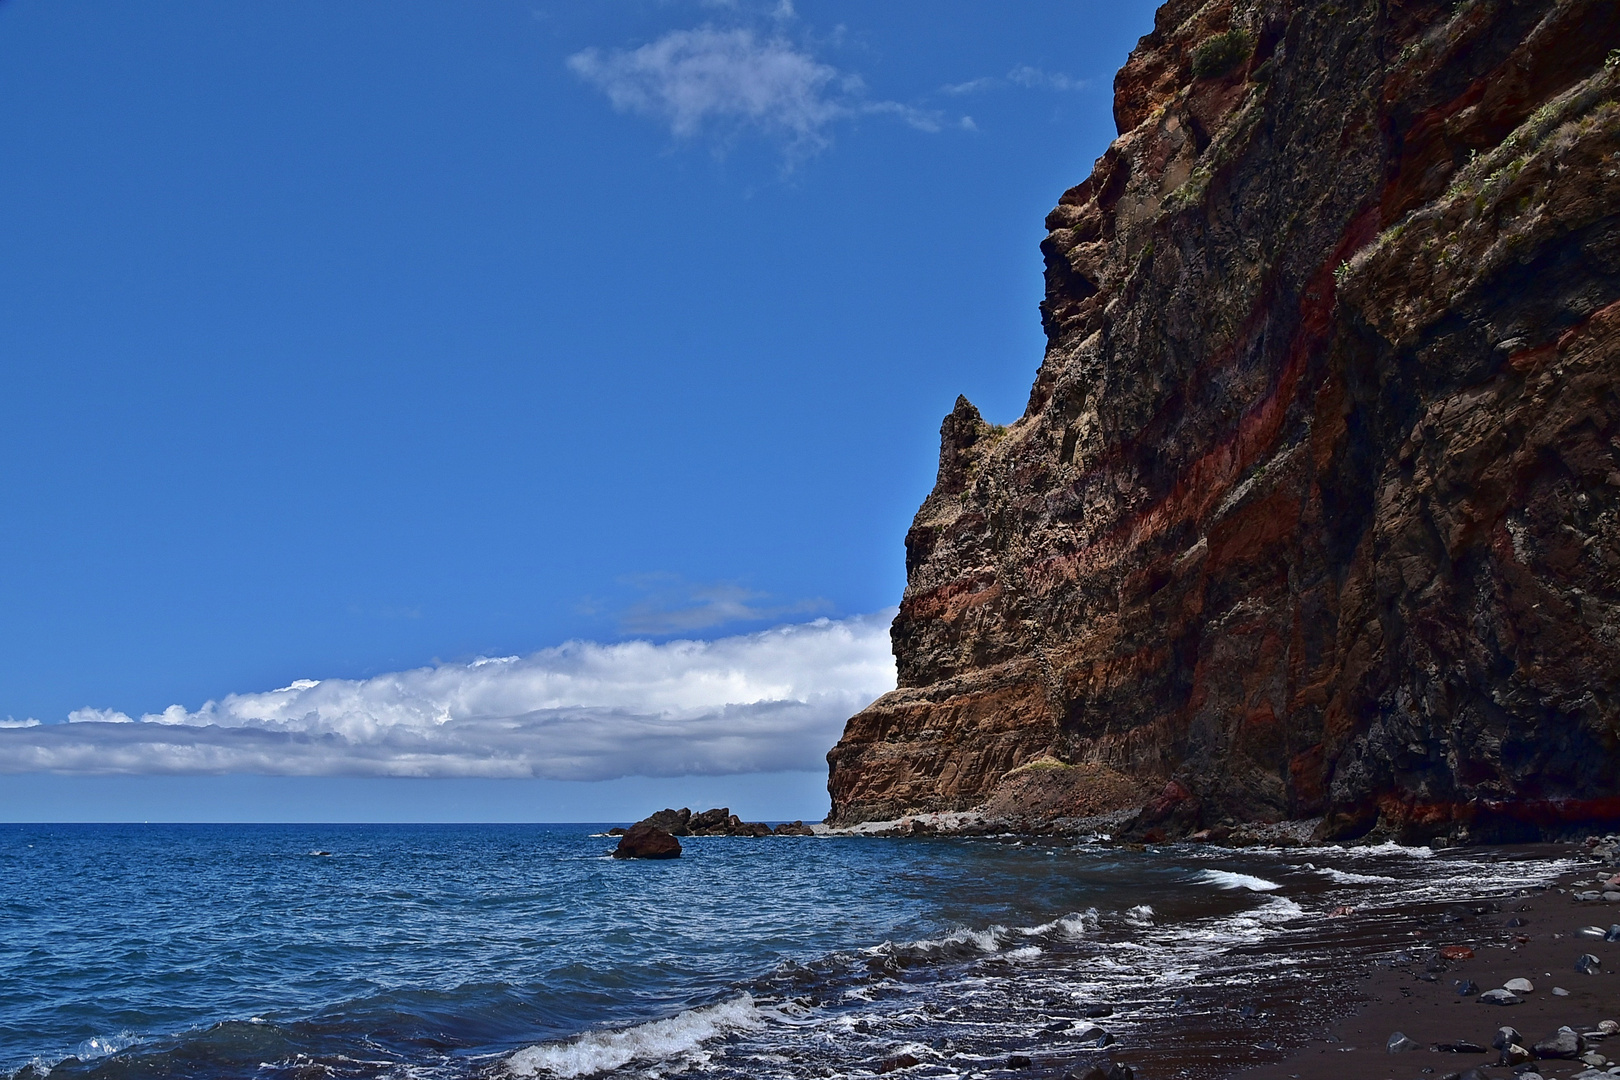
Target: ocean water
x: 524, y: 951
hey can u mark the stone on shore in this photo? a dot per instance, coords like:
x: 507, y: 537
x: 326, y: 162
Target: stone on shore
x: 1588, y: 964
x: 1499, y: 997
x: 643, y: 841
x: 1566, y: 1042
x: 1400, y: 1044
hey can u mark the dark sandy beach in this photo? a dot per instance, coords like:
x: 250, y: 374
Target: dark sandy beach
x: 1413, y: 991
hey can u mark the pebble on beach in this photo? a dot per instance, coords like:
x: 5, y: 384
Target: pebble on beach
x: 1399, y: 1044
x: 1519, y: 986
x: 1588, y: 964
x: 1499, y: 997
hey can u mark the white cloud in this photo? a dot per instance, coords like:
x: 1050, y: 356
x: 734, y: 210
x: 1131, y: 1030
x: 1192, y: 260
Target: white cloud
x: 724, y: 81
x: 672, y: 605
x: 760, y: 702
x: 693, y: 79
x: 1034, y: 78
x: 972, y: 86
x: 1030, y: 78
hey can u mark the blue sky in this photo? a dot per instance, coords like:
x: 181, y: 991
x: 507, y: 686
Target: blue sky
x: 338, y: 341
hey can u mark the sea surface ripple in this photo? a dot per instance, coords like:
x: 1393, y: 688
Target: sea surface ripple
x: 524, y: 951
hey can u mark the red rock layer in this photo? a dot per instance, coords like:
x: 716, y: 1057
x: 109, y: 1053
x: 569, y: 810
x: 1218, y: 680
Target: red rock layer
x: 1315, y: 508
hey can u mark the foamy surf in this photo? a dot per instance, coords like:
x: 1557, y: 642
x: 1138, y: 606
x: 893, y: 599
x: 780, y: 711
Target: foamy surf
x: 1350, y: 877
x: 1227, y: 879
x: 598, y: 1052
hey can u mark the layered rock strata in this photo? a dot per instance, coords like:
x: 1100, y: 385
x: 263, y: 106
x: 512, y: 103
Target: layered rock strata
x: 1315, y: 506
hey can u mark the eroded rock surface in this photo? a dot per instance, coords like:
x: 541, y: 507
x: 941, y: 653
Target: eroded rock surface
x: 1315, y: 507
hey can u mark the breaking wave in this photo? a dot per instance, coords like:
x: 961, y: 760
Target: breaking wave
x: 679, y: 1037
x: 1227, y: 879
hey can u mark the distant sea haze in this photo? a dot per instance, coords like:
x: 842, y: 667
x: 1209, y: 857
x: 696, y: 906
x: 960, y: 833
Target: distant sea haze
x: 762, y: 702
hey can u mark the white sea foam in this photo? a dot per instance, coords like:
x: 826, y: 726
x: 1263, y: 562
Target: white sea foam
x: 1140, y: 915
x: 1227, y: 879
x: 1386, y: 849
x: 101, y: 1046
x: 1071, y: 927
x: 1349, y: 877
x: 659, y: 1040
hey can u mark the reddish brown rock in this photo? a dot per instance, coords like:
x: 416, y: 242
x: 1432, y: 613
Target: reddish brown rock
x: 643, y: 841
x: 1315, y: 506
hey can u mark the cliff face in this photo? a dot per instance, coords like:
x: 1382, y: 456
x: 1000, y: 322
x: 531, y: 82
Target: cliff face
x: 1315, y: 507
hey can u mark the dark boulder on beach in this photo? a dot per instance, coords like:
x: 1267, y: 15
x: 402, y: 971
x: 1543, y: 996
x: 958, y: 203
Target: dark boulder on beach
x: 896, y: 1063
x: 1099, y: 1072
x: 794, y: 828
x: 1566, y: 1043
x: 643, y: 841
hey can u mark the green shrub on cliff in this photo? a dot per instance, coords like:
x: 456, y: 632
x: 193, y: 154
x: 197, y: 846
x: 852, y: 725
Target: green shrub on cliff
x: 1215, y: 56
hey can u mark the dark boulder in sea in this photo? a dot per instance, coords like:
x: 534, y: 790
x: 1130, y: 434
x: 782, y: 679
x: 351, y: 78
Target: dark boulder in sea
x: 711, y: 822
x: 674, y: 822
x: 794, y: 828
x: 717, y: 822
x: 1314, y: 509
x: 643, y: 841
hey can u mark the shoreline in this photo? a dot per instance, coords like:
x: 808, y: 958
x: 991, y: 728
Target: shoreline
x: 1412, y: 990
x: 1401, y: 985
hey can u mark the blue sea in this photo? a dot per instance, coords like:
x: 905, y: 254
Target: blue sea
x: 310, y: 951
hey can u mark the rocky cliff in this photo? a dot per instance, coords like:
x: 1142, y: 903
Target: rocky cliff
x: 1315, y: 507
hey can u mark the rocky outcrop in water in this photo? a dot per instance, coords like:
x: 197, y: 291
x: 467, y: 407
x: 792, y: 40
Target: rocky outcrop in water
x: 1315, y: 506
x: 718, y: 822
x: 644, y: 841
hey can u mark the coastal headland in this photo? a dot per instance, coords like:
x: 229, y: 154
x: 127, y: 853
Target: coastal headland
x: 1314, y: 511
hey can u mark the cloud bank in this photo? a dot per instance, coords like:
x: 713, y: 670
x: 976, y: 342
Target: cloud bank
x: 769, y: 701
x: 717, y: 81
